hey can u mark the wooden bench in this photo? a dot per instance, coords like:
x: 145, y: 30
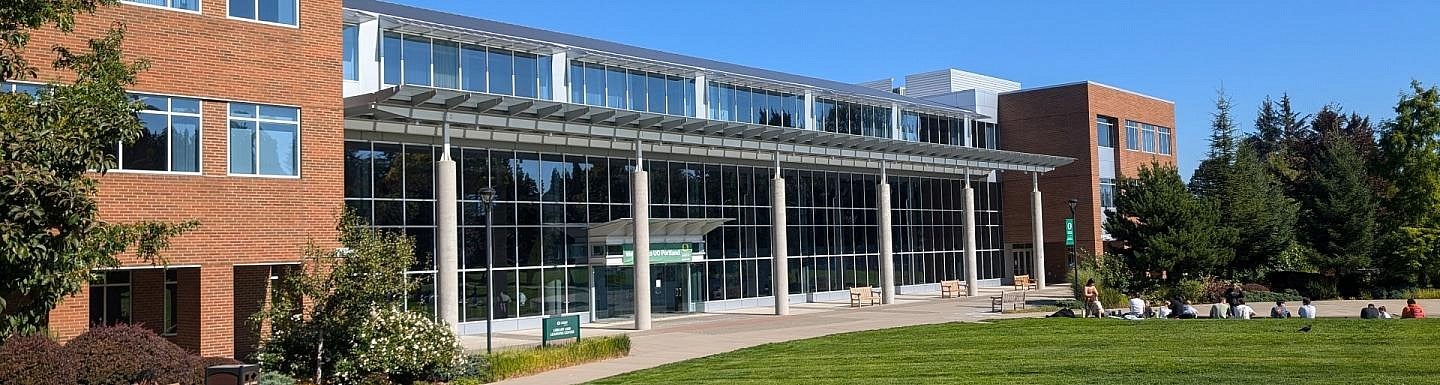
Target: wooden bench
x: 997, y: 302
x: 864, y: 295
x: 1023, y: 282
x: 952, y: 289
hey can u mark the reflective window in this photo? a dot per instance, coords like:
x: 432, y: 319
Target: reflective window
x: 754, y: 105
x: 446, y: 61
x: 1105, y: 131
x: 350, y: 53
x: 264, y: 140
x: 110, y: 299
x: 526, y: 80
x: 933, y: 128
x: 1132, y: 135
x: 170, y: 140
x: 188, y: 5
x: 271, y: 11
x: 616, y: 87
x: 1147, y: 137
x: 419, y: 60
x: 1164, y: 139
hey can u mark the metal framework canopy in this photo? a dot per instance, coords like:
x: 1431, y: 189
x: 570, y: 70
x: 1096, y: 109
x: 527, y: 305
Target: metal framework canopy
x: 476, y: 115
x: 667, y: 230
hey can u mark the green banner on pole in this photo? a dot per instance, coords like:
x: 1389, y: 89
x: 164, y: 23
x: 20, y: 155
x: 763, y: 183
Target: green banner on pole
x: 659, y: 253
x: 1069, y: 231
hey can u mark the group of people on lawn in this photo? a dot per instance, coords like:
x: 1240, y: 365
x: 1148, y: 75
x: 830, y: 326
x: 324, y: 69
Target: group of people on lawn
x: 1234, y: 307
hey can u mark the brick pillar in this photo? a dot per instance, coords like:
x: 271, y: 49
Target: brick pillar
x: 216, y: 311
x: 147, y: 299
x: 71, y: 316
x: 187, y: 298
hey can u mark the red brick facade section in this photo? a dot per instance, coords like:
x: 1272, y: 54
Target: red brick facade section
x: 244, y: 220
x: 1061, y: 121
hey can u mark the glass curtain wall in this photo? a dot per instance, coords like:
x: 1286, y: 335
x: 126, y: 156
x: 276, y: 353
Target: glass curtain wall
x: 422, y: 61
x: 754, y: 105
x: 927, y: 128
x: 617, y: 87
x: 852, y: 118
x: 547, y: 201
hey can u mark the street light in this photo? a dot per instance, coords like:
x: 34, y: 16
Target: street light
x: 487, y: 201
x: 1074, y: 259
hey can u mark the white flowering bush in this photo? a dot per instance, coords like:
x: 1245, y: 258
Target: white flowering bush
x: 405, y: 345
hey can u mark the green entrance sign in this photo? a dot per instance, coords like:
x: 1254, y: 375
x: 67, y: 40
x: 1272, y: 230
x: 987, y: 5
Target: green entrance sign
x: 659, y: 253
x: 1069, y: 231
x: 560, y: 328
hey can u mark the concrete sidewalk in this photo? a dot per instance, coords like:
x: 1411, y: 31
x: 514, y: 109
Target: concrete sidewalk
x: 681, y: 338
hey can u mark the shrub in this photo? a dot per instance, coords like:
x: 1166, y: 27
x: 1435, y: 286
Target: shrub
x: 1188, y: 289
x: 515, y: 363
x: 468, y: 367
x: 125, y: 355
x: 1260, y: 297
x: 406, y: 345
x: 1249, y: 287
x: 32, y: 360
x: 272, y: 378
x: 1425, y: 294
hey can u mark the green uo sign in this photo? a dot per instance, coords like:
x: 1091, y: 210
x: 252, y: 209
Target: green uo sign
x: 659, y: 253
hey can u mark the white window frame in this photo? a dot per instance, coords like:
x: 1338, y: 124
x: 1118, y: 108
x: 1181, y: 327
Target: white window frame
x: 169, y: 144
x: 1132, y: 137
x: 199, y: 6
x: 1163, y: 136
x: 299, y: 135
x: 257, y: 15
x: 1148, y: 145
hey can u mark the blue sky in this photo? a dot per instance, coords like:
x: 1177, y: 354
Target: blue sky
x: 1359, y: 55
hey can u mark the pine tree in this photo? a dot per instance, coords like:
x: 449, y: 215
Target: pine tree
x: 1410, y: 159
x: 1209, y: 178
x: 1165, y: 228
x: 1338, y: 220
x: 1262, y: 216
x: 1268, y: 130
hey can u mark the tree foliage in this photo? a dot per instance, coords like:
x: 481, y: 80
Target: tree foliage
x: 1259, y: 212
x: 51, y: 143
x: 1410, y: 159
x: 1339, y: 210
x: 1165, y: 228
x: 1209, y: 179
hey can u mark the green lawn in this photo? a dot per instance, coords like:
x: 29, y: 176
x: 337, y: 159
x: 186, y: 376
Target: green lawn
x: 1075, y: 351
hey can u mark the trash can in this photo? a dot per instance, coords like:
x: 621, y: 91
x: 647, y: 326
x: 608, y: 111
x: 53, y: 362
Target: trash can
x: 243, y: 374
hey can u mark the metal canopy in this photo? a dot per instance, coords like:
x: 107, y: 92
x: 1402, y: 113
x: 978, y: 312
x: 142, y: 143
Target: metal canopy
x: 661, y: 230
x: 417, y: 105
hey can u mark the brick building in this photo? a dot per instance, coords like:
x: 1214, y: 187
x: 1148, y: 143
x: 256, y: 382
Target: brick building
x: 1109, y: 131
x: 269, y: 116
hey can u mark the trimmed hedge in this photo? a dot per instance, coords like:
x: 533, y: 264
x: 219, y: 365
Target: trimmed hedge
x: 32, y: 360
x: 516, y: 363
x: 127, y: 354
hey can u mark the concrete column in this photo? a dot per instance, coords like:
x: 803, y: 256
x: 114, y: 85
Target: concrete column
x: 640, y: 204
x: 702, y: 96
x: 970, y: 273
x: 447, y: 240
x: 1039, y: 230
x: 559, y: 83
x: 887, y: 243
x: 781, y: 264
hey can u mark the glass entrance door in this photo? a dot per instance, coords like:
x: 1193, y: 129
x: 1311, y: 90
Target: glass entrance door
x: 670, y: 288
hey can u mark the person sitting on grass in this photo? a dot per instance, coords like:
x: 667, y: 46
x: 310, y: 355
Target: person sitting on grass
x: 1370, y: 312
x: 1385, y: 314
x: 1137, y: 306
x: 1412, y: 310
x: 1219, y: 311
x: 1279, y: 311
x: 1307, y: 311
x: 1241, y: 310
x: 1189, y: 312
x: 1163, y: 311
x: 1176, y: 307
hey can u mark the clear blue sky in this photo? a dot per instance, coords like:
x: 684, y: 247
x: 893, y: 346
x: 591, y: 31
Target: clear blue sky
x: 1360, y: 55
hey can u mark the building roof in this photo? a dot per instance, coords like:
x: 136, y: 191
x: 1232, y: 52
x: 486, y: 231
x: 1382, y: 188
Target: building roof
x: 1087, y: 82
x: 590, y: 44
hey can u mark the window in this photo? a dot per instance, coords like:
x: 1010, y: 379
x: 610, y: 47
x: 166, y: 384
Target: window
x: 172, y: 303
x: 1105, y: 131
x: 351, y: 53
x: 264, y: 140
x: 1107, y: 193
x: 1147, y: 136
x: 188, y: 5
x: 110, y: 298
x: 171, y: 139
x: 270, y: 11
x: 1132, y: 135
x: 1164, y: 140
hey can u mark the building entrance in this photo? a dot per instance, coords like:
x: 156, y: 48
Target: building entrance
x: 672, y: 286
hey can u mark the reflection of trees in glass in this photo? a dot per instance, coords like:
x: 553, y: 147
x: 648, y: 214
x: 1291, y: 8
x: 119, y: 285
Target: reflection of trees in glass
x: 185, y: 154
x: 149, y: 151
x: 526, y: 171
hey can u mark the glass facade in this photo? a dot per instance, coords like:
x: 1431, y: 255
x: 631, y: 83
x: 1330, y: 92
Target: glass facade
x: 617, y: 87
x: 171, y: 139
x: 547, y: 202
x: 419, y: 60
x: 984, y: 135
x: 753, y: 105
x: 852, y: 118
x: 929, y: 128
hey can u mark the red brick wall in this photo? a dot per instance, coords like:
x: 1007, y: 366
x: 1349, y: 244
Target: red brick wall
x: 1061, y: 121
x: 243, y: 219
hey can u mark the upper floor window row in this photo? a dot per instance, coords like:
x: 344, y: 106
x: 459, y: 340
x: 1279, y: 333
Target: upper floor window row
x: 171, y: 138
x: 187, y: 5
x: 616, y: 87
x: 852, y: 118
x: 929, y: 128
x: 285, y: 12
x: 754, y: 105
x: 1147, y: 137
x: 1105, y: 131
x: 418, y: 60
x: 984, y: 135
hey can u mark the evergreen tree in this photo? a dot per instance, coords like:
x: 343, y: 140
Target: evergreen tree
x: 1209, y: 178
x: 1410, y: 159
x: 1165, y: 228
x: 1339, y: 211
x: 1268, y: 130
x: 1259, y: 213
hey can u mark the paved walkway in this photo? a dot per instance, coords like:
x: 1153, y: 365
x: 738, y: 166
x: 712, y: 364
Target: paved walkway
x: 681, y: 338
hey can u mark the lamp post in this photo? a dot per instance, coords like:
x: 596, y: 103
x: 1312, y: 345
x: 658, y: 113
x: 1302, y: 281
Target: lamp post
x: 487, y: 201
x: 1074, y: 259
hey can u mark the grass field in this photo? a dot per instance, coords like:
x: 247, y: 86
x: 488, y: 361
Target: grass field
x: 1076, y: 351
